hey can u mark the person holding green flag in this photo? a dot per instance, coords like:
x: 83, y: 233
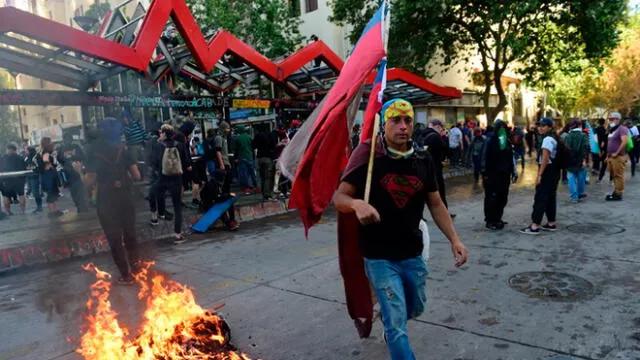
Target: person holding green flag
x: 498, y: 171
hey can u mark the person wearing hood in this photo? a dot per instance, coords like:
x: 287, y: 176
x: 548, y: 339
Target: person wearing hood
x: 498, y: 171
x: 246, y: 166
x: 578, y: 144
x: 114, y: 169
x: 390, y: 240
x: 431, y: 140
x: 72, y: 158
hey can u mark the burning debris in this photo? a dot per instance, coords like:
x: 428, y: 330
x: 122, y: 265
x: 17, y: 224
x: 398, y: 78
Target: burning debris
x: 174, y: 326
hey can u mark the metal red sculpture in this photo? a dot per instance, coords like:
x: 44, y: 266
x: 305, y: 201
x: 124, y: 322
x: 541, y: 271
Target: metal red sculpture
x: 206, y: 55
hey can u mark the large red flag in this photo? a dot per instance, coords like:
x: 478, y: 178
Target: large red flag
x: 318, y: 173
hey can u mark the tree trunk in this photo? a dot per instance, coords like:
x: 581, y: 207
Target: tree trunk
x: 502, y: 97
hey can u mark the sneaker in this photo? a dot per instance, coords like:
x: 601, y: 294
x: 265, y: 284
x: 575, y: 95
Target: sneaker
x: 154, y: 222
x: 583, y: 197
x: 493, y: 226
x: 56, y: 214
x: 179, y: 239
x: 247, y: 191
x: 613, y: 197
x: 36, y: 211
x: 453, y: 216
x: 126, y: 280
x: 548, y: 227
x: 529, y: 231
x: 233, y: 226
x: 256, y: 190
x: 167, y: 216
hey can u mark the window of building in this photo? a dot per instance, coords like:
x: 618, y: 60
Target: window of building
x: 61, y: 119
x: 34, y: 6
x: 294, y: 5
x: 50, y: 15
x: 24, y: 112
x: 311, y: 5
x: 55, y: 121
x: 26, y: 129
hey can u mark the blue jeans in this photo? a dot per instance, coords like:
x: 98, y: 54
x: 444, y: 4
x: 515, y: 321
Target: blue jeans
x: 577, y: 183
x: 400, y: 289
x: 36, y: 191
x: 247, y: 174
x: 211, y: 168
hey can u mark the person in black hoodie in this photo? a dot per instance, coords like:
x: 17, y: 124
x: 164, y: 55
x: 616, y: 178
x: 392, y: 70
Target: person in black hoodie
x: 498, y: 170
x: 430, y: 140
x: 13, y: 187
x: 164, y: 163
x: 31, y: 162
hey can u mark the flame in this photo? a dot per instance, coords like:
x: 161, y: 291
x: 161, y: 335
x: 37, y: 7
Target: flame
x: 174, y: 326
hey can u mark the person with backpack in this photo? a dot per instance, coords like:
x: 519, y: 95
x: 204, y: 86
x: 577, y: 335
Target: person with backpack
x: 477, y: 145
x: 498, y: 172
x: 578, y: 144
x: 431, y: 141
x: 72, y: 158
x: 167, y: 160
x: 552, y: 160
x: 113, y: 169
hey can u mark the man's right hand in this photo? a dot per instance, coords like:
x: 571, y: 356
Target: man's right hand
x: 365, y: 213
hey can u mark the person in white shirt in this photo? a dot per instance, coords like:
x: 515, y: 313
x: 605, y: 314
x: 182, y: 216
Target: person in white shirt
x: 456, y: 145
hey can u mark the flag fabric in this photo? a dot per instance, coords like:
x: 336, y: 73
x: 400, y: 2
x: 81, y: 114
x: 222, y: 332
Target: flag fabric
x: 375, y: 102
x: 326, y: 154
x: 593, y: 140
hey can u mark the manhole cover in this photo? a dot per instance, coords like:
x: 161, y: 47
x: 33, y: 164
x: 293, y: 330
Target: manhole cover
x: 593, y: 228
x: 551, y: 285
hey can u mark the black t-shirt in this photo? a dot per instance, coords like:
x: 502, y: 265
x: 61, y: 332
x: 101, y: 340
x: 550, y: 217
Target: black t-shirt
x: 398, y: 191
x: 111, y: 164
x: 601, y: 133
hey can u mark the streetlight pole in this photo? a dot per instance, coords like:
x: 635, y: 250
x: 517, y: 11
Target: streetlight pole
x: 15, y: 79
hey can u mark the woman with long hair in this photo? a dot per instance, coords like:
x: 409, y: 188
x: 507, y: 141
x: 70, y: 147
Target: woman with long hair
x: 49, y: 174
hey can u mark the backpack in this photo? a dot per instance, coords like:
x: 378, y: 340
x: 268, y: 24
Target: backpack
x: 118, y: 176
x: 563, y: 154
x: 477, y: 145
x: 171, y: 163
x: 575, y: 153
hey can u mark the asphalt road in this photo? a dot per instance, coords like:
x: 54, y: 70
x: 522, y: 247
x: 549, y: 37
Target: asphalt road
x: 284, y: 297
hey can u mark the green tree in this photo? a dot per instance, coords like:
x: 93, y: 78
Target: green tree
x: 531, y: 37
x: 9, y: 124
x: 269, y: 26
x: 97, y: 10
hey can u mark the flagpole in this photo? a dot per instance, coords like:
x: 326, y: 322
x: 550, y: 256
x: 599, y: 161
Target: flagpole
x: 372, y: 156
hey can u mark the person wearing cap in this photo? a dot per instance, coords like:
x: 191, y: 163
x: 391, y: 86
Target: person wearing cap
x: 578, y: 143
x: 544, y: 202
x: 113, y: 169
x: 617, y: 155
x: 390, y: 240
x: 498, y: 171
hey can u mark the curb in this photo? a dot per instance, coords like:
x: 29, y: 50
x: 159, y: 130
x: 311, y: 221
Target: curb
x: 95, y: 242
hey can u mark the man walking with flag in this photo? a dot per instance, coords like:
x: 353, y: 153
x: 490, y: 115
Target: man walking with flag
x: 390, y: 240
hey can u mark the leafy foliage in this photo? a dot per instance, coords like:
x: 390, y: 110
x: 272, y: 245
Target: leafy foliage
x: 9, y: 124
x: 270, y: 26
x: 98, y: 11
x: 534, y: 37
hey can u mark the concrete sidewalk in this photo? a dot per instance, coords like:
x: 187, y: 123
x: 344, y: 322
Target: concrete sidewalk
x: 35, y: 239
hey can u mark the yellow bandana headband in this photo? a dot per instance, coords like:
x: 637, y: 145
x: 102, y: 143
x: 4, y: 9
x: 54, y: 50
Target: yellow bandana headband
x: 396, y: 107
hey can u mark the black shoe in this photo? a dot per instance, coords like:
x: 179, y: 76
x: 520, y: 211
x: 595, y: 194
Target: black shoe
x: 38, y: 210
x: 613, y: 197
x: 179, y: 239
x: 154, y: 222
x: 493, y: 226
x: 548, y: 227
x: 126, y: 280
x: 167, y: 216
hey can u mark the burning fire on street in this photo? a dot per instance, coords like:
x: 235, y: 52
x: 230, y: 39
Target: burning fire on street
x: 174, y: 326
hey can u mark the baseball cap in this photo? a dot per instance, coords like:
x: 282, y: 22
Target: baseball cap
x: 615, y: 115
x: 436, y: 122
x: 546, y: 121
